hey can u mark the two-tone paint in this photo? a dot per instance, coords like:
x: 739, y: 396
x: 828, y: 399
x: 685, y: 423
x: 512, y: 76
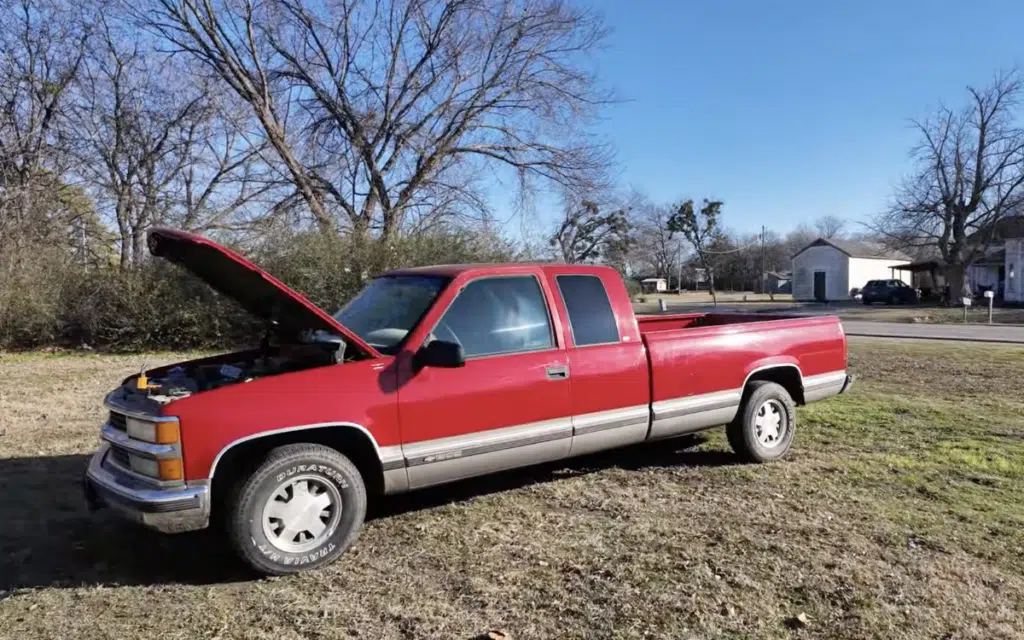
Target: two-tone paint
x: 663, y: 376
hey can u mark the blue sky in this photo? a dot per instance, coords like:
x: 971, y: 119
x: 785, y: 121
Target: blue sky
x: 791, y: 109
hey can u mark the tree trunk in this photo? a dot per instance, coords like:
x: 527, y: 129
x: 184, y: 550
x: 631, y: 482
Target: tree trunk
x: 959, y: 287
x: 138, y: 244
x: 124, y: 232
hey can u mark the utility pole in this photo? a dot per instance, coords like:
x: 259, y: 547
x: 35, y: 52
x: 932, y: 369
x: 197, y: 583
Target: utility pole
x: 764, y: 278
x: 679, y: 276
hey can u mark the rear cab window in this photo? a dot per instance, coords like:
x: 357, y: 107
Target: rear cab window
x: 591, y: 319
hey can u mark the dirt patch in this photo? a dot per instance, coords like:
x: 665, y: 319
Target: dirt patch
x: 897, y: 515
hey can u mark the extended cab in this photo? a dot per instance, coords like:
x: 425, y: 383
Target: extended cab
x: 431, y: 375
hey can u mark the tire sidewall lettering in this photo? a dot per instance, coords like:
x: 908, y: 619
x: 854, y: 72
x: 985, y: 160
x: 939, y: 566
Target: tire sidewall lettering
x: 289, y: 559
x: 322, y: 469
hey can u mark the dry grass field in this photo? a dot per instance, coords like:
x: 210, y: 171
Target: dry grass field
x: 898, y: 515
x: 935, y: 315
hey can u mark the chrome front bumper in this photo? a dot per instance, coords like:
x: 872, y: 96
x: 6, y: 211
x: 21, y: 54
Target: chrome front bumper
x: 169, y: 510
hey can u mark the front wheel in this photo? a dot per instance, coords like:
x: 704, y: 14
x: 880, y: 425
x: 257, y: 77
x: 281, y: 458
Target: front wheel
x: 764, y: 427
x: 301, y: 509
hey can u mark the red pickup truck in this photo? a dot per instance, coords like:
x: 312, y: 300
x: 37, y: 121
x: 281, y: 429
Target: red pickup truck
x: 431, y: 375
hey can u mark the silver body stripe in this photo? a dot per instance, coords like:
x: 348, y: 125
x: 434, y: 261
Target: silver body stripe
x: 696, y: 404
x: 824, y: 386
x: 611, y: 419
x: 824, y: 380
x: 391, y: 457
x: 478, y: 442
x: 429, y: 462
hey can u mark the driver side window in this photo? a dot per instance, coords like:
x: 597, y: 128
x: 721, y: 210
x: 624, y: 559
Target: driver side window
x: 493, y: 316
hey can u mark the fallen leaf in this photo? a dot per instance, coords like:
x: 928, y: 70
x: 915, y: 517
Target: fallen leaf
x: 800, y: 621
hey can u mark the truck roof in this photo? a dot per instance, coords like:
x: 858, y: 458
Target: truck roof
x: 454, y: 270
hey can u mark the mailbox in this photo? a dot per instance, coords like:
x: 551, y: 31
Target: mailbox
x: 990, y: 294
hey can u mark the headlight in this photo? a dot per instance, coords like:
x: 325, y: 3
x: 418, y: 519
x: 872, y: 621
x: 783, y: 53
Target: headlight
x: 160, y: 469
x: 165, y: 432
x: 146, y: 466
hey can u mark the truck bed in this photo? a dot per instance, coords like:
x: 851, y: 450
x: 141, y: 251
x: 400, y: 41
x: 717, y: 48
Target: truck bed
x: 700, y: 363
x: 675, y: 321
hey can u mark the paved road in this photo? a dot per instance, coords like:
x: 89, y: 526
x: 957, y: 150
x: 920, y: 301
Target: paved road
x: 960, y: 332
x: 923, y: 331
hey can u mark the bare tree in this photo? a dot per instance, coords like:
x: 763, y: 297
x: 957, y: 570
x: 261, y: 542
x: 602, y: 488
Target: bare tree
x: 799, y: 238
x: 155, y: 149
x: 42, y: 44
x: 969, y: 176
x: 587, y: 233
x: 225, y: 182
x: 382, y: 109
x: 656, y: 250
x: 700, y: 228
x: 829, y: 227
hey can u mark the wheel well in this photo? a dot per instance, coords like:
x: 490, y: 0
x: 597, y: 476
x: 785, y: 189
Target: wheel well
x: 244, y: 457
x: 785, y: 375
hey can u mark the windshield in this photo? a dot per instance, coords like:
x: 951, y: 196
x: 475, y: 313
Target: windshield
x: 388, y: 308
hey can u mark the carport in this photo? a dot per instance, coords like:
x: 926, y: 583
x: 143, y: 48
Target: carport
x: 927, y: 275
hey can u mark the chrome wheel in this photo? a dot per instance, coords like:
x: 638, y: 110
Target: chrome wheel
x: 770, y: 423
x: 301, y: 513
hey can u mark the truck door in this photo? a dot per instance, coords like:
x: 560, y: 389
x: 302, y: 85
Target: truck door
x: 508, y: 406
x: 610, y: 387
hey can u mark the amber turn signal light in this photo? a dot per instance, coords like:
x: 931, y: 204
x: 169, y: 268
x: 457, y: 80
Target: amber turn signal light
x: 171, y: 469
x: 167, y: 432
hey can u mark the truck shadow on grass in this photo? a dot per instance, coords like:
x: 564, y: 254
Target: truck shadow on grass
x: 48, y: 538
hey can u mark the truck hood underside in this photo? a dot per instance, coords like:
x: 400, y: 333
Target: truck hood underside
x: 262, y: 295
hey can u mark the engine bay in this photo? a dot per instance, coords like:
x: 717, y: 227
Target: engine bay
x: 171, y: 383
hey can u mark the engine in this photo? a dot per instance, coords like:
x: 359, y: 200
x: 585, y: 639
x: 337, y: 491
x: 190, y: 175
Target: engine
x: 183, y: 380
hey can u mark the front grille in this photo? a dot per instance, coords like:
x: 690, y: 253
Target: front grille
x: 120, y: 456
x: 118, y: 421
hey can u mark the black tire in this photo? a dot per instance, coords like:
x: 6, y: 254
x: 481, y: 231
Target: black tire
x: 742, y: 432
x: 315, y: 467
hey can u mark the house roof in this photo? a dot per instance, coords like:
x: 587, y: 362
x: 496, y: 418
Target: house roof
x: 857, y: 249
x: 1008, y: 227
x: 780, y: 275
x: 922, y: 265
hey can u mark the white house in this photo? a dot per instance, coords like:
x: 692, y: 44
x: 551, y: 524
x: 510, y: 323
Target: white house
x: 829, y: 269
x: 1014, y: 284
x: 653, y: 285
x: 999, y: 270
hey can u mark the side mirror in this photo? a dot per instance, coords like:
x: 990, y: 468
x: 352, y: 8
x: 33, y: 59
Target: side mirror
x: 439, y: 353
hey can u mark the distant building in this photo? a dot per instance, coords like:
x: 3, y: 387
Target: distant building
x: 998, y: 269
x: 653, y: 285
x: 779, y: 281
x: 830, y: 269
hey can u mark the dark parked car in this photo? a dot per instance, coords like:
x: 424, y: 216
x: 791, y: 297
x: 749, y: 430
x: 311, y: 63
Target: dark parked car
x: 889, y: 292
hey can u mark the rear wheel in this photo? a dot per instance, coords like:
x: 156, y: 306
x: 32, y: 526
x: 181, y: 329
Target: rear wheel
x: 300, y: 509
x: 764, y: 427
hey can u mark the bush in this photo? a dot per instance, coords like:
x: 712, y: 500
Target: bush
x: 47, y: 301
x: 632, y: 287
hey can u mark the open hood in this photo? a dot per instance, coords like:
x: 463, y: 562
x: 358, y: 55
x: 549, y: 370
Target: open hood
x: 257, y: 291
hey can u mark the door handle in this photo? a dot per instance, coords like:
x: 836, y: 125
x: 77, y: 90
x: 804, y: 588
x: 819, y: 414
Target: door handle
x: 561, y: 372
